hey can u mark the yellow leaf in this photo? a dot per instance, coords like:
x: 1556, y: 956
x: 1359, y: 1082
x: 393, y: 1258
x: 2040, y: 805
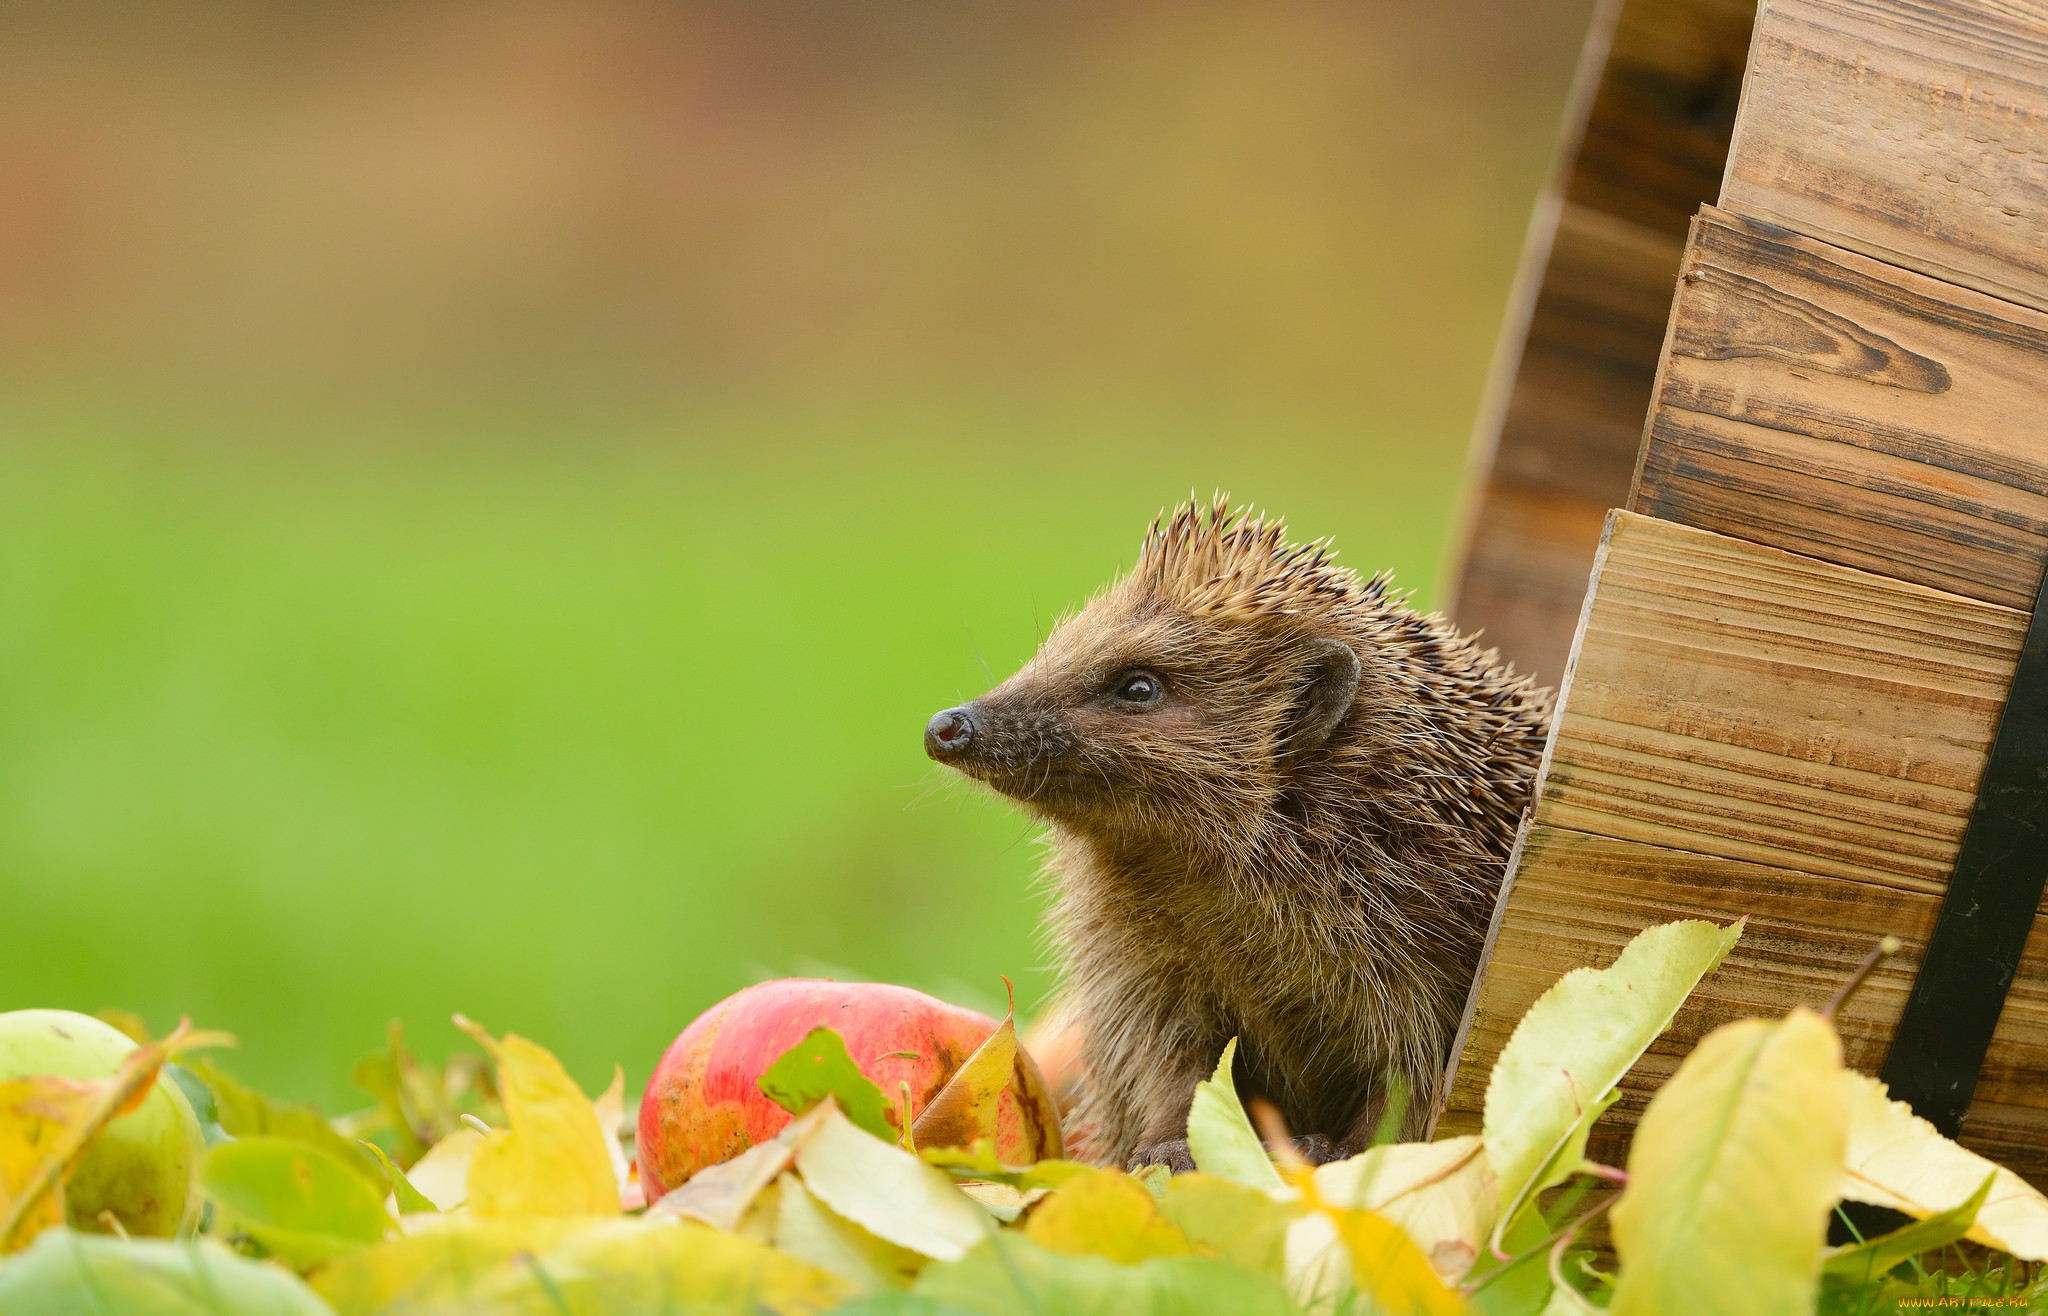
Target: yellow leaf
x: 1733, y: 1173
x: 1105, y: 1214
x: 1443, y: 1195
x: 36, y: 1114
x: 1897, y: 1159
x: 46, y: 1124
x: 965, y: 1108
x: 1389, y: 1268
x: 886, y: 1190
x: 552, y: 1161
x: 458, y: 1263
x: 810, y: 1231
x: 720, y: 1195
x: 437, y: 1261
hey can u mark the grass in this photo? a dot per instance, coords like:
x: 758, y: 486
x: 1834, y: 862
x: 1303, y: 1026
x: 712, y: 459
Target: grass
x: 574, y: 729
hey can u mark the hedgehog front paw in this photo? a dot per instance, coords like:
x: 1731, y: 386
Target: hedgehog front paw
x: 1172, y: 1153
x: 1318, y: 1150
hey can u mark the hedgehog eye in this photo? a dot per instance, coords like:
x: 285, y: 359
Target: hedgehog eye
x: 1139, y: 688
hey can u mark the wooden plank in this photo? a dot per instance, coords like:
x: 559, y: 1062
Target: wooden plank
x: 1577, y: 899
x: 1823, y: 402
x: 1656, y: 141
x: 1741, y: 701
x: 1556, y: 439
x: 1526, y: 572
x: 1914, y: 133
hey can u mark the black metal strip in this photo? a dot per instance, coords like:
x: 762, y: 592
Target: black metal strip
x: 1989, y: 909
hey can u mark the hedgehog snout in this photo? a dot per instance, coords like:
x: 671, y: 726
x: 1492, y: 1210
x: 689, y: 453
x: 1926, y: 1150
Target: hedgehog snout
x: 948, y: 734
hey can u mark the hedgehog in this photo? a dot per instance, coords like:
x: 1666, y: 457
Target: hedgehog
x: 1280, y: 803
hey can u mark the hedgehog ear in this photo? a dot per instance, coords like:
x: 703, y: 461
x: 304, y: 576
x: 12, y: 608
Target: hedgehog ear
x: 1332, y: 685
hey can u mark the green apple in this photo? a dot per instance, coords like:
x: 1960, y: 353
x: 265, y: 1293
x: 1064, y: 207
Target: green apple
x: 142, y: 1167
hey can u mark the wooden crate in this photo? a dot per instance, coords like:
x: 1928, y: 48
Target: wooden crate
x: 1783, y: 687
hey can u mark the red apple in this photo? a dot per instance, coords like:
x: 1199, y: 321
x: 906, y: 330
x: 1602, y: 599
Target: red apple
x: 705, y: 1105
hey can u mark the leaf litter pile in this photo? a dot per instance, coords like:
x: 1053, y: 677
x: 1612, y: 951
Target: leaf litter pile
x: 495, y: 1185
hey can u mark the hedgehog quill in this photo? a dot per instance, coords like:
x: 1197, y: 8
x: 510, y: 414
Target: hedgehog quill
x: 1280, y: 804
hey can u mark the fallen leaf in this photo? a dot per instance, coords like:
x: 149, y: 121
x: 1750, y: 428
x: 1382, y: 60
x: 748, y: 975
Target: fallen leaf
x: 1221, y: 1138
x: 1558, y: 1071
x: 408, y: 1199
x: 1009, y: 1275
x: 442, y: 1175
x: 819, y: 1067
x: 965, y: 1108
x: 244, y: 1112
x: 1732, y: 1175
x: 46, y: 1124
x: 810, y: 1231
x: 1388, y: 1268
x: 66, y: 1273
x: 1897, y: 1159
x: 1240, y: 1225
x: 1441, y: 1194
x: 887, y: 1191
x: 301, y: 1202
x: 719, y: 1195
x: 552, y: 1161
x: 1862, y: 1263
x: 978, y: 1161
x: 1105, y: 1214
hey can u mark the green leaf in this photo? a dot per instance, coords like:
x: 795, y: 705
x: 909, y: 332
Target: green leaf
x: 246, y: 1113
x: 897, y: 1304
x: 1556, y: 1075
x: 979, y: 1162
x: 69, y: 1274
x: 819, y: 1067
x: 411, y: 1201
x: 1733, y: 1173
x: 1220, y: 1138
x: 302, y: 1202
x: 1866, y: 1261
x: 1240, y: 1225
x: 1008, y: 1275
x: 1519, y: 1287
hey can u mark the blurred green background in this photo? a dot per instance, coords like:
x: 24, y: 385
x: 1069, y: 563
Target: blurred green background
x: 491, y: 492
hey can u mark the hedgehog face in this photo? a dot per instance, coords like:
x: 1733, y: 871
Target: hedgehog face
x: 1138, y: 719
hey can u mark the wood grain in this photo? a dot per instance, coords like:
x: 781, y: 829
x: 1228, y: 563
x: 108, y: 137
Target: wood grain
x: 1657, y: 138
x: 1557, y: 436
x: 1576, y: 899
x: 1914, y: 133
x: 1821, y: 401
x: 1741, y: 701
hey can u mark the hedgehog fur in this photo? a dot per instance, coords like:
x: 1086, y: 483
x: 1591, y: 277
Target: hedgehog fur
x: 1280, y: 806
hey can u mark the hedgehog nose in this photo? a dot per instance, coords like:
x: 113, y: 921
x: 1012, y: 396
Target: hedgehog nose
x: 949, y: 734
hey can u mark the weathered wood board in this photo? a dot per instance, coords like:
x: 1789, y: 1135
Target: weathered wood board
x: 1821, y: 401
x: 1916, y: 133
x: 1748, y: 731
x: 1744, y: 702
x: 1555, y: 443
x: 1578, y: 898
